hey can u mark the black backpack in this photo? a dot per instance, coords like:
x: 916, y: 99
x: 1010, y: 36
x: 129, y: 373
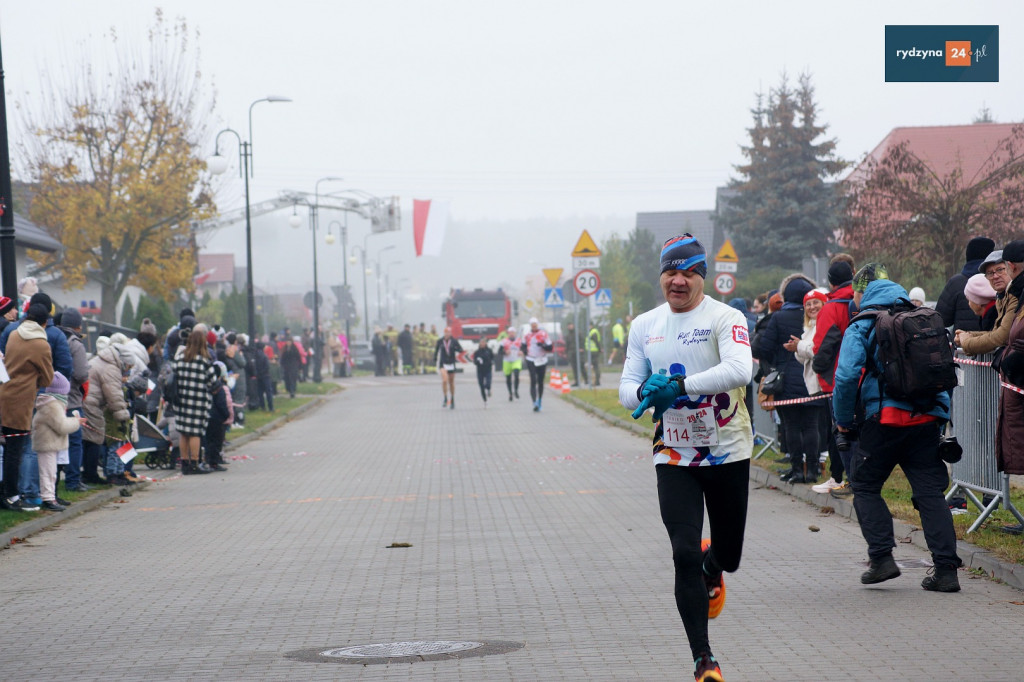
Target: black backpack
x: 915, y: 355
x: 170, y: 387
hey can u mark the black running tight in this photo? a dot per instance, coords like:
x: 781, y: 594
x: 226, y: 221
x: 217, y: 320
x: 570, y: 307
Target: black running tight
x: 536, y: 380
x: 683, y: 493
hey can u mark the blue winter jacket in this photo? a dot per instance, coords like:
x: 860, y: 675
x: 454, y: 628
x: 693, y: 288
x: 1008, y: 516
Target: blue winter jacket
x: 59, y: 348
x: 858, y: 339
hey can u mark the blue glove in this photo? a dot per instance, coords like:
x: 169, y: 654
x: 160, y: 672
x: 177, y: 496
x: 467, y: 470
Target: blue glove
x: 659, y: 391
x: 654, y: 383
x: 664, y: 398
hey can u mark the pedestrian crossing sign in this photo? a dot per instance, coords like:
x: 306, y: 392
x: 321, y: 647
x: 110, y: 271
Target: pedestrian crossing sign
x: 553, y: 298
x: 603, y: 297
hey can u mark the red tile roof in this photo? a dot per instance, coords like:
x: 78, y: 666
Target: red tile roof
x: 945, y: 147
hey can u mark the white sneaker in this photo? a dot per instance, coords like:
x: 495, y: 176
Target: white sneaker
x: 825, y: 487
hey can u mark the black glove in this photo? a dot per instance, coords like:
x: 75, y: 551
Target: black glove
x: 1011, y: 364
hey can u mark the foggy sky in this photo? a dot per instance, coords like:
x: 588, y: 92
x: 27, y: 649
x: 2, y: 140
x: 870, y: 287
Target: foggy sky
x: 535, y: 119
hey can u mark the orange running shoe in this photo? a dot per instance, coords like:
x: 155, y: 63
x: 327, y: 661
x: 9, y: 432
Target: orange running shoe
x: 705, y: 669
x: 716, y: 587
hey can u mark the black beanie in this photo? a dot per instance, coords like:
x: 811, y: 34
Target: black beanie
x: 44, y: 299
x: 979, y: 247
x: 839, y: 272
x: 186, y: 312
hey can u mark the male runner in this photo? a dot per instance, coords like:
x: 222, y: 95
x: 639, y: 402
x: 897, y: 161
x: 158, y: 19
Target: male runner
x: 690, y: 360
x: 511, y: 362
x: 536, y: 345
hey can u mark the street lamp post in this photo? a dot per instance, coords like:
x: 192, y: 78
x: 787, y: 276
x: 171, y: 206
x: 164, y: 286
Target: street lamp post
x: 387, y: 288
x: 217, y: 164
x: 344, y: 267
x: 380, y: 314
x: 314, y: 219
x: 366, y: 305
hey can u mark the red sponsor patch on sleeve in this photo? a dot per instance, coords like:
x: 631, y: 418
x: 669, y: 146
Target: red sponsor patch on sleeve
x: 740, y: 335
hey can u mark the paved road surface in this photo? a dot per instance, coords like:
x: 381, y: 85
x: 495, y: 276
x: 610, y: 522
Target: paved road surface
x: 540, y: 529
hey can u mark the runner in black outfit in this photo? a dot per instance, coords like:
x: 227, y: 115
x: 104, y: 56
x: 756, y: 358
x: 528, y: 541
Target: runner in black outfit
x: 483, y: 358
x: 445, y: 352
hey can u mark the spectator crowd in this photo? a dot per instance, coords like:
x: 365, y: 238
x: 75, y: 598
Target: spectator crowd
x: 74, y: 412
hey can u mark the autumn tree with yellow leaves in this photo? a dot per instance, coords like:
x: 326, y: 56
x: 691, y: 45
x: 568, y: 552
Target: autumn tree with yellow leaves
x: 116, y: 166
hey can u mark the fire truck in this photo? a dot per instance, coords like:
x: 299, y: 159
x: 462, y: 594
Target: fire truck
x: 478, y: 312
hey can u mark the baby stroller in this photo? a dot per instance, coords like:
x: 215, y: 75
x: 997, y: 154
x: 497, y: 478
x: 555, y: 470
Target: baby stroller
x: 152, y: 443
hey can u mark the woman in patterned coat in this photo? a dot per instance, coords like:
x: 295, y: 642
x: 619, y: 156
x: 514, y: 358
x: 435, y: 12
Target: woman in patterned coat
x: 196, y: 377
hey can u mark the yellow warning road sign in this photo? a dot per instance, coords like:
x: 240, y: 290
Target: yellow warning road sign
x: 727, y: 253
x: 552, y: 274
x: 585, y: 247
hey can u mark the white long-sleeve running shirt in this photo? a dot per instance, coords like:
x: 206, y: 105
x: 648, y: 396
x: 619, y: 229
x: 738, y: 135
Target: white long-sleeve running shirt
x: 710, y: 345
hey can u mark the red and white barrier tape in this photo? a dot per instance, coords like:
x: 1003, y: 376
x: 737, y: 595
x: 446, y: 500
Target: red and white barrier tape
x: 795, y: 401
x: 967, y: 361
x: 1015, y: 389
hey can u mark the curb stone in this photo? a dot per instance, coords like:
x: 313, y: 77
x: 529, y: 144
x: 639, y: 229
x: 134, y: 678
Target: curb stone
x: 33, y: 526
x: 973, y: 557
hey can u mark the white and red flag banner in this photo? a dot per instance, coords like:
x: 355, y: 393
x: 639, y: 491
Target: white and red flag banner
x: 429, y: 220
x: 127, y: 453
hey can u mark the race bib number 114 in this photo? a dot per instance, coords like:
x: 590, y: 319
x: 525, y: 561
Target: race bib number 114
x: 690, y: 428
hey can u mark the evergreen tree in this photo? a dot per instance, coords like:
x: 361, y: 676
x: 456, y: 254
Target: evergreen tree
x: 158, y: 311
x: 236, y: 311
x: 785, y: 208
x: 128, y: 314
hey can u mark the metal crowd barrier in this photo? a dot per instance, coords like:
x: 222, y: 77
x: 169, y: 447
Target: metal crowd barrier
x: 974, y: 411
x: 766, y: 431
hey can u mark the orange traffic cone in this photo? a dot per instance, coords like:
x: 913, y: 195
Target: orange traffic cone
x: 565, y: 384
x: 556, y: 381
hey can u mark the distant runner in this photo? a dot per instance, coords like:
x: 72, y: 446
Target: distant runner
x: 511, y: 362
x: 536, y: 344
x: 445, y: 352
x: 483, y: 358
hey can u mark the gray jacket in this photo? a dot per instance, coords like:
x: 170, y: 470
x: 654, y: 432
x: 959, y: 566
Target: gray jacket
x: 79, y: 368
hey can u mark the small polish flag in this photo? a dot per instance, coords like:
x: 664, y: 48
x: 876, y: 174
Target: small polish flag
x: 429, y: 220
x: 126, y: 452
x: 149, y: 386
x: 201, y: 278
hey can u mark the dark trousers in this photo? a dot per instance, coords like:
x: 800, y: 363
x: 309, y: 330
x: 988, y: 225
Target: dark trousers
x: 291, y: 379
x: 73, y: 471
x: 483, y: 379
x: 94, y: 455
x: 683, y: 493
x: 915, y: 450
x: 215, y: 432
x: 536, y: 379
x: 267, y: 393
x: 512, y: 380
x: 13, y: 447
x: 802, y: 425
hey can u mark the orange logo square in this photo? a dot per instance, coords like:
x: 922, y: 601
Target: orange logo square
x: 958, y: 53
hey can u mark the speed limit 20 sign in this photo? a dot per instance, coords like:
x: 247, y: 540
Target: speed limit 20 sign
x: 586, y: 282
x: 725, y: 283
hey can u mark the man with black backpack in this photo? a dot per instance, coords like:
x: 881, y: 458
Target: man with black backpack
x: 892, y: 388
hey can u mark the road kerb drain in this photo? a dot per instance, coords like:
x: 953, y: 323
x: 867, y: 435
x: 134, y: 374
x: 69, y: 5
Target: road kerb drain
x: 413, y: 651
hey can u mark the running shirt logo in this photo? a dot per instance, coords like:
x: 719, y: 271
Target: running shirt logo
x: 689, y: 337
x: 654, y: 339
x: 741, y: 334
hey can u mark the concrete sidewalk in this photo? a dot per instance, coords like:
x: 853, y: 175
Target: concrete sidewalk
x: 536, y: 529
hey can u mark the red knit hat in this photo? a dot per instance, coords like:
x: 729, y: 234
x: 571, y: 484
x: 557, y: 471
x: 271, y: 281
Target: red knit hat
x: 814, y: 293
x: 6, y: 305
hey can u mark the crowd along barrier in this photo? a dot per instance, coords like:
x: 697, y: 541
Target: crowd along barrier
x: 975, y: 410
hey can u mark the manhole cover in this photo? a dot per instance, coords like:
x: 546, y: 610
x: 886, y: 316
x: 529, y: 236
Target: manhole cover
x: 404, y: 652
